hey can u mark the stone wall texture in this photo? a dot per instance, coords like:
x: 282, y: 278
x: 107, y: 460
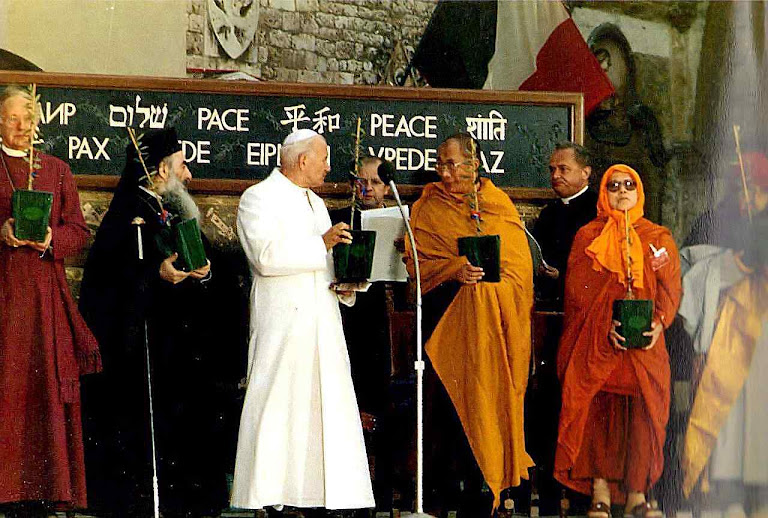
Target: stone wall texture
x: 314, y: 41
x: 351, y: 42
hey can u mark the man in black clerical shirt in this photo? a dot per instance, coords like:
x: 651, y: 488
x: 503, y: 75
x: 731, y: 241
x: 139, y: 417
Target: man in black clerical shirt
x: 569, y: 170
x: 366, y: 329
x: 365, y: 323
x: 558, y: 223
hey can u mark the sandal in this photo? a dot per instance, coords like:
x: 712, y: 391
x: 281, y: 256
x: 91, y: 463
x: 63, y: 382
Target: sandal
x: 599, y: 510
x: 645, y: 510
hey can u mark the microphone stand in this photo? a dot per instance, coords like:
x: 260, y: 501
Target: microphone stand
x: 419, y: 364
x: 138, y: 222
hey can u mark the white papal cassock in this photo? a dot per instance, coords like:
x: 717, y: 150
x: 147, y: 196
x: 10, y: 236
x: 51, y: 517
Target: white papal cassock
x: 301, y: 441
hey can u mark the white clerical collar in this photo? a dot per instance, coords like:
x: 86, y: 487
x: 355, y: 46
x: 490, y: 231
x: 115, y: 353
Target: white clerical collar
x: 567, y: 200
x: 18, y: 153
x: 151, y: 193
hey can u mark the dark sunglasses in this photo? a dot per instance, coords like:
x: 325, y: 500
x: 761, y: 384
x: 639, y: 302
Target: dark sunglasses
x: 615, y: 185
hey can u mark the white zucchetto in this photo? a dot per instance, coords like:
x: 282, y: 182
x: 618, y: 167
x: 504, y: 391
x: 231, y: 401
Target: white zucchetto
x: 299, y: 136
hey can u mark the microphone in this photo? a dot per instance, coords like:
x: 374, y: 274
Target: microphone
x: 386, y: 172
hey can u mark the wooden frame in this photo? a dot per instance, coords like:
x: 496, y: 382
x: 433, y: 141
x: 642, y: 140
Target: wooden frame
x: 379, y: 93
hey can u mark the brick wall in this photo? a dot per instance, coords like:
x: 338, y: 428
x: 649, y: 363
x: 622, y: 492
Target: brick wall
x: 314, y: 41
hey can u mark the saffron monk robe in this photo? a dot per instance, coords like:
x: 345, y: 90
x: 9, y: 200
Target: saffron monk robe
x: 481, y: 344
x: 615, y: 401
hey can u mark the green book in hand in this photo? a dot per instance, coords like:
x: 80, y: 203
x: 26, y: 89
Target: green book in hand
x: 189, y: 245
x: 32, y: 213
x: 353, y: 262
x: 485, y: 252
x: 635, y: 316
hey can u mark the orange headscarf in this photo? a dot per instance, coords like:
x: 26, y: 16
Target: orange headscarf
x: 609, y: 250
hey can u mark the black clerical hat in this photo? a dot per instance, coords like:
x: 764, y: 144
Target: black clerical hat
x: 156, y: 145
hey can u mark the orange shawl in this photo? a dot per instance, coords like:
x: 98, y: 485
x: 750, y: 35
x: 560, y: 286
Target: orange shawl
x: 480, y: 349
x: 609, y: 249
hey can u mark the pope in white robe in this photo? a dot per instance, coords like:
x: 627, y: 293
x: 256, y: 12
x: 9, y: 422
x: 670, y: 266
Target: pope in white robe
x: 301, y: 441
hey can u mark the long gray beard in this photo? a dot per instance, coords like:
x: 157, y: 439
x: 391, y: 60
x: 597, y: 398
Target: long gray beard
x: 178, y: 200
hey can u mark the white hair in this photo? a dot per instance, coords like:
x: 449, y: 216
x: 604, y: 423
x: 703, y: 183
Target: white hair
x: 13, y: 91
x: 289, y: 155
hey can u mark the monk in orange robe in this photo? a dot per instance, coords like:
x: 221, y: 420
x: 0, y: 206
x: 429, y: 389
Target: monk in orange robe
x: 480, y: 345
x: 615, y: 401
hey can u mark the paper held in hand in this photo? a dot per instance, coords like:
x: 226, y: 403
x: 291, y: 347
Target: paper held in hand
x: 387, y: 261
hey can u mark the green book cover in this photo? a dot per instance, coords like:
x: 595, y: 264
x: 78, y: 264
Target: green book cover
x: 483, y: 251
x: 354, y: 262
x: 32, y: 213
x: 189, y: 245
x: 635, y: 316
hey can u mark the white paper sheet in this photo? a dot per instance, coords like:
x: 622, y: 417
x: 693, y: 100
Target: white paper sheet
x: 387, y: 261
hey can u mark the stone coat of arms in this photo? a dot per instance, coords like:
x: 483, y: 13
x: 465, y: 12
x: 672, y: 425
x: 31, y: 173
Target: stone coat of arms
x: 234, y: 23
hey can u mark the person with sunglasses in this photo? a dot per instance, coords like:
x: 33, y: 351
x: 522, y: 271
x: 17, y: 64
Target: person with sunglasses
x: 615, y: 401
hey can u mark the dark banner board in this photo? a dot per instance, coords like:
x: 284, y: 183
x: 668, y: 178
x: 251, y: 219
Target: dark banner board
x: 231, y: 131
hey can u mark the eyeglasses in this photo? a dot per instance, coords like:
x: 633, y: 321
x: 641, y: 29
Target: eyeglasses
x: 14, y: 121
x: 450, y: 166
x: 615, y: 185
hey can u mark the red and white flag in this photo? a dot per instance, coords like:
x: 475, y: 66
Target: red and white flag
x: 538, y: 47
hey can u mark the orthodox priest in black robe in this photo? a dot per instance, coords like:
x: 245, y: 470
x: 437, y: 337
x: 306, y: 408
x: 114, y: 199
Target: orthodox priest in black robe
x: 194, y: 323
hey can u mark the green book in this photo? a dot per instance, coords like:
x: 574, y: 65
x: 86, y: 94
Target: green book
x: 635, y: 316
x: 189, y: 245
x: 32, y: 213
x: 354, y: 262
x: 483, y: 251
